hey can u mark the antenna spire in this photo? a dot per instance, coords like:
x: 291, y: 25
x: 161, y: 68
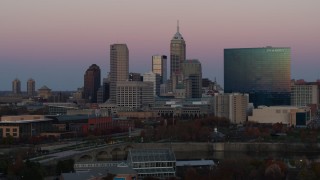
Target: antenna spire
x: 178, y: 26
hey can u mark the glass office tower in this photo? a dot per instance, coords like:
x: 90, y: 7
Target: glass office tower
x: 264, y: 73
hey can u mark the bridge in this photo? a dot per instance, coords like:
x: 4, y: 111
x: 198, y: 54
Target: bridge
x: 116, y: 152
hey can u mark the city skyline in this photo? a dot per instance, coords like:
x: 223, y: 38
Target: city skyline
x: 51, y: 40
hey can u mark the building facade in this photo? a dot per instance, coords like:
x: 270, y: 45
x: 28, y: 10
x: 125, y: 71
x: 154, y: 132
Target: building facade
x: 119, y: 67
x: 24, y: 125
x: 155, y: 80
x: 192, y: 75
x: 135, y: 94
x: 92, y: 82
x: 305, y: 93
x: 31, y: 88
x: 264, y: 73
x: 135, y: 77
x: 16, y: 86
x: 44, y: 92
x: 177, y: 56
x: 159, y: 66
x: 289, y: 115
x: 232, y: 106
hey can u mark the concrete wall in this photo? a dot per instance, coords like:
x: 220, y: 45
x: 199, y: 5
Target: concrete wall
x: 266, y: 147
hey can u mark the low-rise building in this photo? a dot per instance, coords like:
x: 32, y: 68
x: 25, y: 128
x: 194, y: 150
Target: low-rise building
x: 290, y: 115
x: 24, y: 125
x: 159, y: 163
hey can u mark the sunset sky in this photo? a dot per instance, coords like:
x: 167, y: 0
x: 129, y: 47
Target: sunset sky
x: 54, y: 42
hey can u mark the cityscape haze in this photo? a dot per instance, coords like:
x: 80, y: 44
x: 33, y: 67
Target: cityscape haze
x: 54, y: 42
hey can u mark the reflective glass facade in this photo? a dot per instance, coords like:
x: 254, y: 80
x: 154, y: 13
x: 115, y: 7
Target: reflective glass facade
x: 159, y: 66
x: 264, y: 73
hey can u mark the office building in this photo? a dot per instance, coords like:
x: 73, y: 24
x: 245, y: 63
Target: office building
x: 155, y: 80
x: 192, y: 75
x: 159, y: 66
x: 232, y: 106
x: 264, y: 73
x: 16, y: 86
x: 135, y: 77
x: 177, y: 56
x: 92, y: 82
x: 119, y: 67
x: 106, y: 89
x: 305, y: 94
x: 135, y: 94
x: 31, y: 87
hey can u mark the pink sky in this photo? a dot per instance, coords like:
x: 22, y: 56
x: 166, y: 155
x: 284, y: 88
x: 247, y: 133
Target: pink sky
x: 54, y: 42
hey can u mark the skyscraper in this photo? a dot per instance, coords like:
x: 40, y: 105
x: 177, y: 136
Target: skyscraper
x: 31, y: 87
x: 16, y: 86
x: 92, y: 82
x: 119, y: 67
x: 155, y: 79
x: 177, y: 56
x: 192, y: 76
x: 264, y: 73
x: 159, y: 66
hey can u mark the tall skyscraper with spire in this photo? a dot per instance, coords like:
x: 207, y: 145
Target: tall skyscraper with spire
x: 177, y: 56
x: 119, y: 67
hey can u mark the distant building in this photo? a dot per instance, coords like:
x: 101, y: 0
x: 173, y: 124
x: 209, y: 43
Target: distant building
x: 159, y: 66
x: 177, y: 56
x: 155, y: 80
x: 289, y: 115
x: 106, y: 89
x: 263, y: 73
x: 31, y: 87
x: 135, y: 94
x: 160, y: 163
x: 232, y: 106
x: 100, y: 95
x: 44, y: 92
x: 135, y: 77
x: 305, y: 94
x: 16, y: 86
x: 24, y: 125
x: 192, y: 76
x: 119, y: 67
x: 92, y: 82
